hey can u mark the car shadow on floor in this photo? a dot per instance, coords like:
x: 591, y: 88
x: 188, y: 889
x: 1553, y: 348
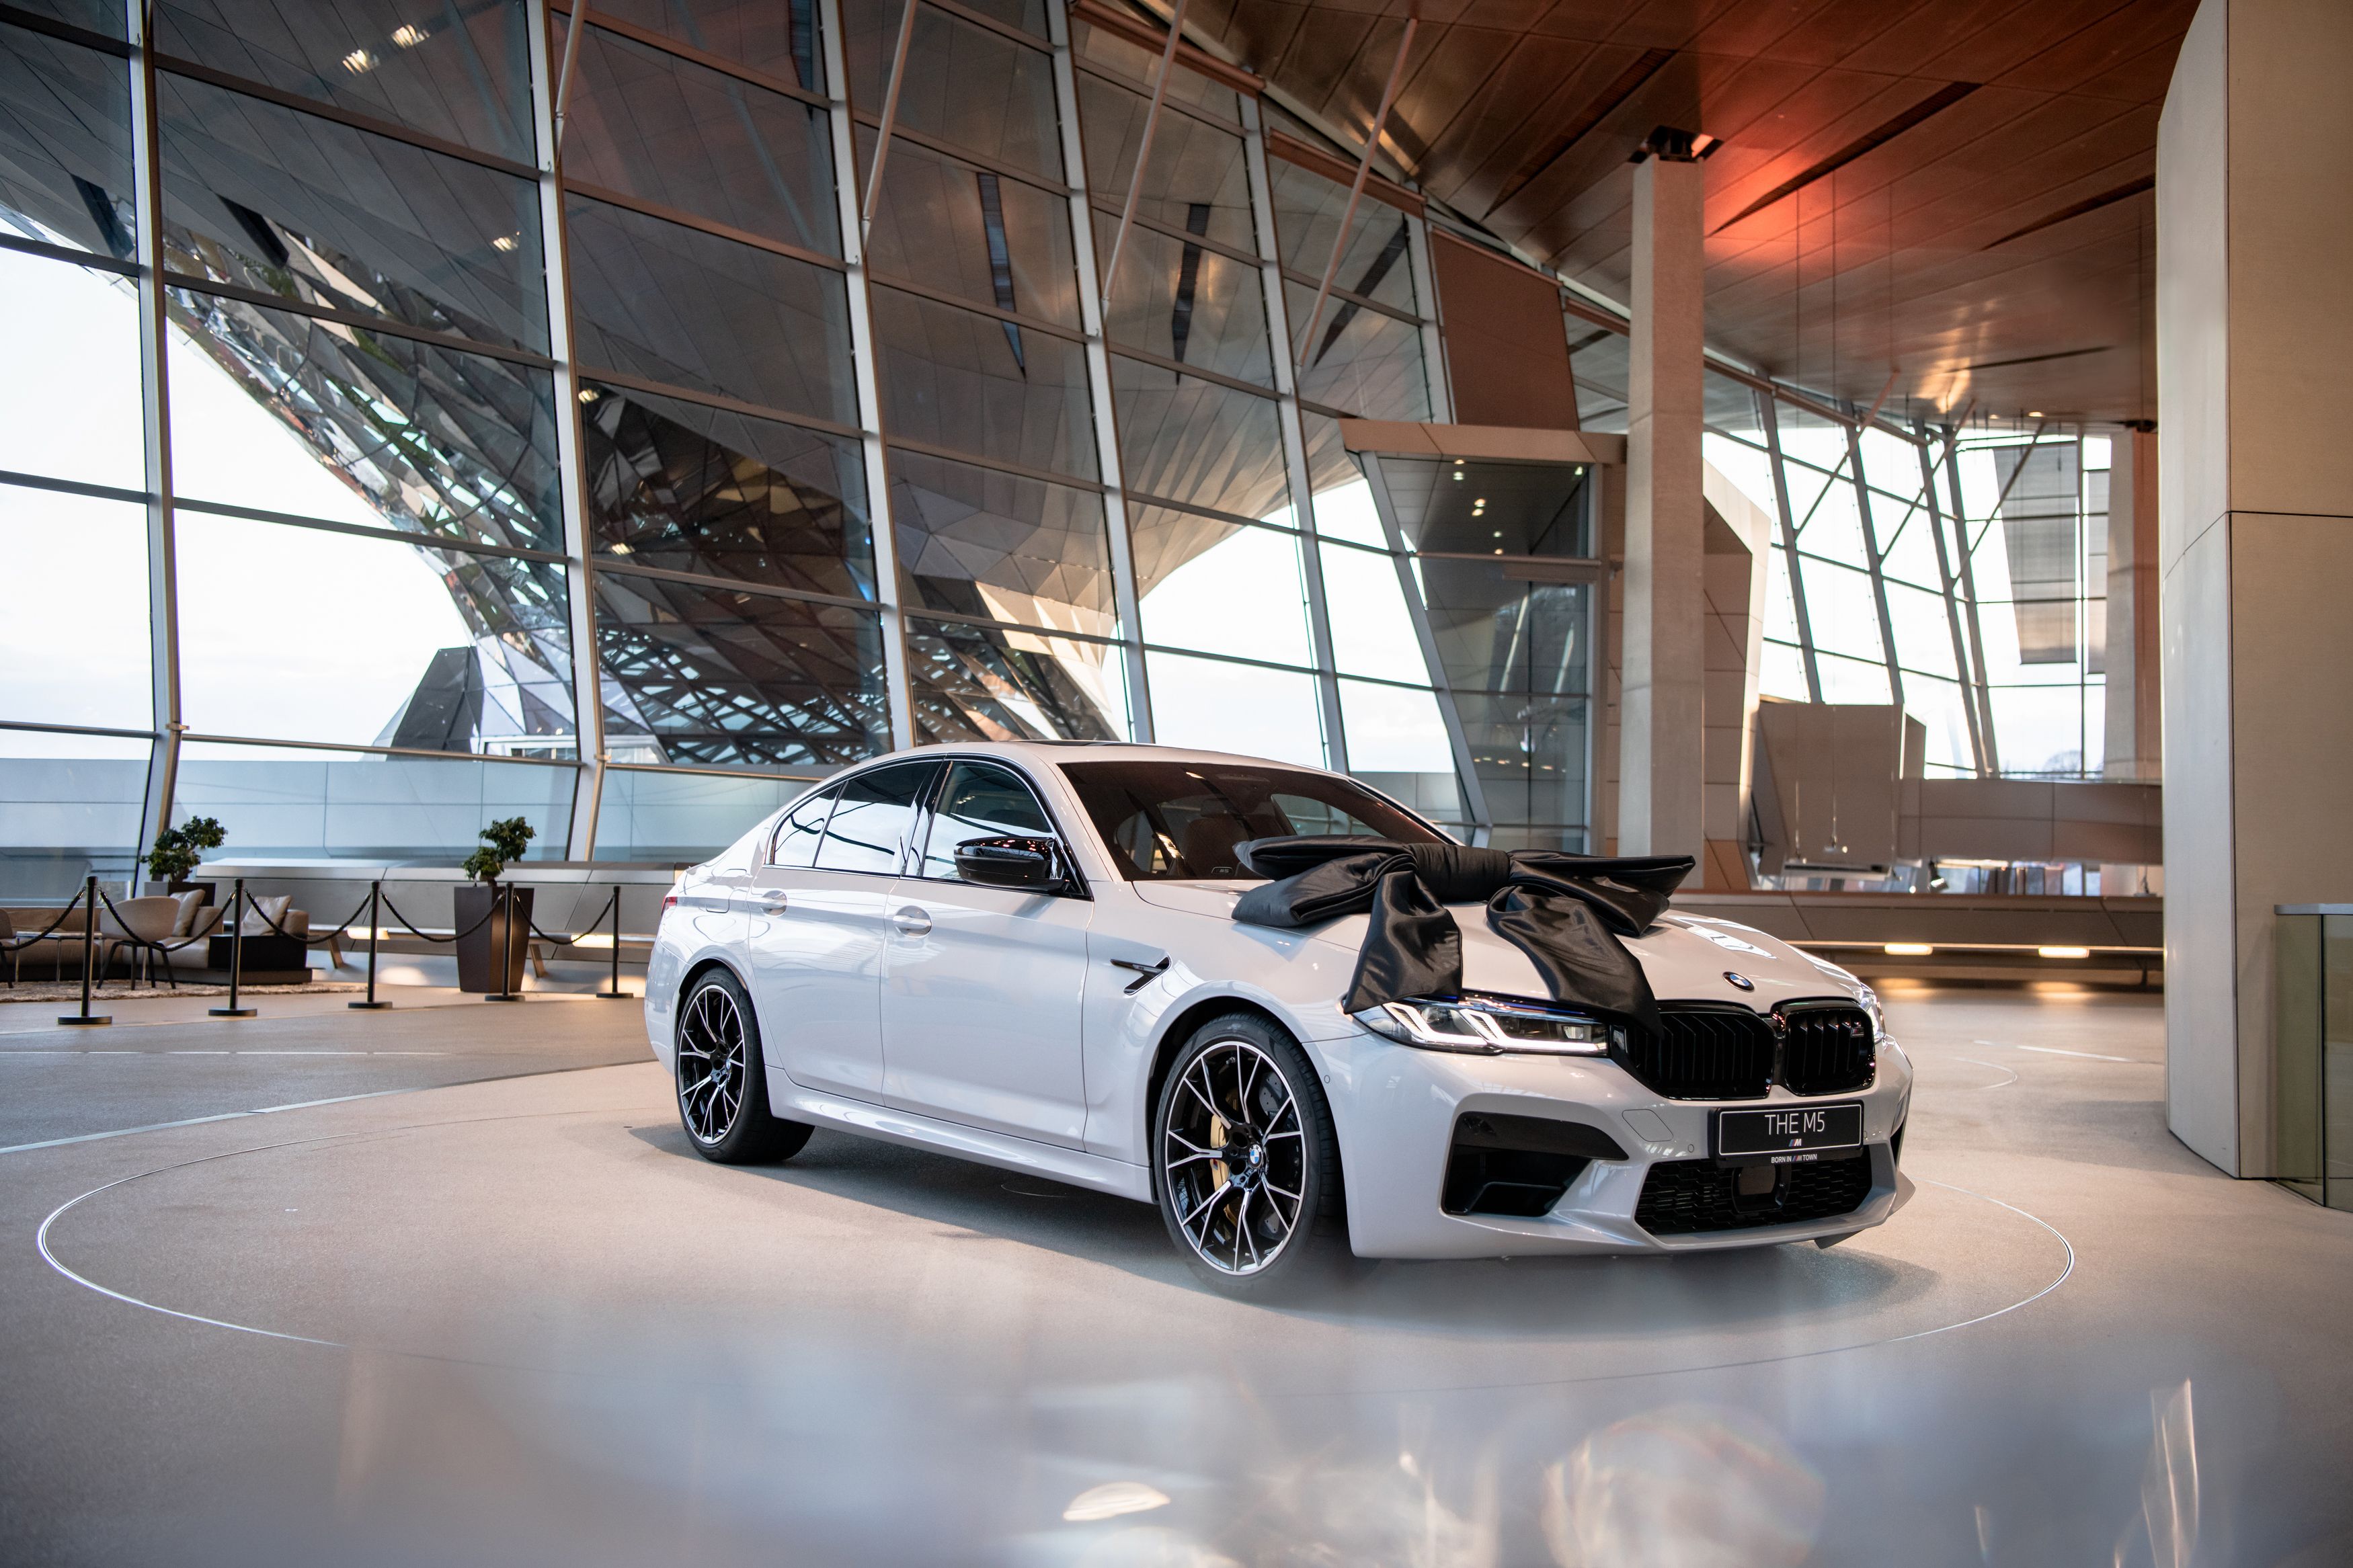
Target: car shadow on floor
x: 1595, y: 1297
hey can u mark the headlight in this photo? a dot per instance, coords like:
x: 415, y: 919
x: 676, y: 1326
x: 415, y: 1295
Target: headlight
x: 1488, y: 1026
x: 1878, y: 1015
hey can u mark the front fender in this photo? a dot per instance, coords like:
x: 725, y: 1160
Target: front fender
x: 1292, y: 977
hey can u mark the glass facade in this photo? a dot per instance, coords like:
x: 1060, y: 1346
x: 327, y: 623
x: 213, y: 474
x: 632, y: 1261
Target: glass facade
x: 375, y: 458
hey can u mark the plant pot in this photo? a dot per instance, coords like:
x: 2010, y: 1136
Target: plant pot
x: 482, y: 942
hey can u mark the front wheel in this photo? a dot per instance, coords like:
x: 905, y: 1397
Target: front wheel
x: 1245, y: 1164
x: 723, y: 1089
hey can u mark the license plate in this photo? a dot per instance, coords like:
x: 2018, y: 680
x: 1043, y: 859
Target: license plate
x: 1791, y: 1136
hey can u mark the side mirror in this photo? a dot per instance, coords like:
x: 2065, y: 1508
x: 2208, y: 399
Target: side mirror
x: 1031, y: 863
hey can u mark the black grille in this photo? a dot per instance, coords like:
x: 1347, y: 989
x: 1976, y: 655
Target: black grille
x: 1711, y: 1051
x: 1827, y: 1050
x: 1689, y: 1197
x: 1704, y: 1053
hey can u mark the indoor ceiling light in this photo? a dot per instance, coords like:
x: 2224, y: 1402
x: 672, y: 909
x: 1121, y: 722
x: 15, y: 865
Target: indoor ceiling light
x: 1908, y: 950
x: 359, y: 62
x: 2064, y: 952
x: 503, y: 242
x: 409, y: 36
x: 587, y: 395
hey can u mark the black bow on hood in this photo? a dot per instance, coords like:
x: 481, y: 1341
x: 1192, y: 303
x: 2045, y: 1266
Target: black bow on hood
x: 1564, y: 912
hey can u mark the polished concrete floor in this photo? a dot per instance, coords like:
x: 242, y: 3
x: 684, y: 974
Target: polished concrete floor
x: 495, y: 1310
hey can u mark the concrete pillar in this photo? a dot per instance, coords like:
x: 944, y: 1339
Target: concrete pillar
x: 2131, y: 661
x: 1661, y: 785
x: 2254, y: 268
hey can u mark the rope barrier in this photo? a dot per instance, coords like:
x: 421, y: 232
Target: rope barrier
x: 23, y: 941
x: 394, y: 911
x: 573, y: 940
x: 243, y: 907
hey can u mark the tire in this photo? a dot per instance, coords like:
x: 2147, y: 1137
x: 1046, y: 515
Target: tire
x: 1245, y: 1165
x: 723, y: 1085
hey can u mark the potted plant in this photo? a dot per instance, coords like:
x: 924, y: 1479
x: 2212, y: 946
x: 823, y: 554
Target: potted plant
x: 178, y: 853
x: 483, y: 913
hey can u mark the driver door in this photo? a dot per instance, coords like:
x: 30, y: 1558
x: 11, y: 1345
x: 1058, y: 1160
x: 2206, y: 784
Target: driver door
x: 982, y: 986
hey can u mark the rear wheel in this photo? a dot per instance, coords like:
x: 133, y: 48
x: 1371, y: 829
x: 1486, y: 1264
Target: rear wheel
x: 1245, y: 1164
x: 723, y: 1088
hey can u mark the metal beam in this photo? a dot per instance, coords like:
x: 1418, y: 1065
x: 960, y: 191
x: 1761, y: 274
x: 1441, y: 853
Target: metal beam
x: 155, y: 434
x: 1992, y: 757
x: 1962, y: 666
x: 1357, y: 190
x: 1124, y: 597
x: 1142, y: 150
x: 846, y: 142
x: 1295, y: 441
x: 1458, y: 739
x: 1769, y: 417
x: 571, y: 59
x: 1436, y: 370
x: 897, y: 687
x: 1873, y: 559
x: 570, y: 446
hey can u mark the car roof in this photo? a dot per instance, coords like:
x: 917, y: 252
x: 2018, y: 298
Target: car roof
x: 1055, y: 753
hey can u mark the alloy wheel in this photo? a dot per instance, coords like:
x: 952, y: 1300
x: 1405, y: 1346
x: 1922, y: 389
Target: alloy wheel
x: 1233, y: 1157
x: 710, y: 1064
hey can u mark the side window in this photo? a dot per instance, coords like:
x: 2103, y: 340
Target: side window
x: 980, y: 802
x: 798, y: 835
x: 872, y: 823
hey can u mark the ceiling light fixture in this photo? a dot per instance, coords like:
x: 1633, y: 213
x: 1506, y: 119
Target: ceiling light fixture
x: 504, y: 242
x: 359, y: 62
x: 1907, y: 950
x: 409, y: 36
x: 2064, y: 952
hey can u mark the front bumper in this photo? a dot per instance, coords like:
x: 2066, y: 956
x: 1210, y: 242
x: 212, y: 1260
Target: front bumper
x: 1397, y: 1106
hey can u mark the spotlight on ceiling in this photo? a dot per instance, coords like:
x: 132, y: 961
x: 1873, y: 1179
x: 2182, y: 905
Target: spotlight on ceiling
x: 1669, y: 146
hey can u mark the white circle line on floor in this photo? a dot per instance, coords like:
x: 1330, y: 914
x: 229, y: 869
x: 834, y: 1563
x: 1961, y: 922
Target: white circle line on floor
x: 41, y: 1240
x: 2010, y: 1077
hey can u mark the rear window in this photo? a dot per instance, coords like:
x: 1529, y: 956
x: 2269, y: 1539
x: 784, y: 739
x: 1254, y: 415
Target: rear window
x: 1168, y: 821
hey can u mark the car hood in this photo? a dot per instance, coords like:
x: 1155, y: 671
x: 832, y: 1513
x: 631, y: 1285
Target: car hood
x: 1686, y: 957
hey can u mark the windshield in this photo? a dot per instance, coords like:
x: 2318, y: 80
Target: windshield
x: 1166, y: 821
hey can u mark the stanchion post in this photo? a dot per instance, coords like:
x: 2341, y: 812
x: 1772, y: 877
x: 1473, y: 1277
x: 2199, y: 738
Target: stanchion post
x: 504, y: 891
x: 86, y: 1018
x: 615, y: 994
x: 375, y: 930
x: 235, y: 956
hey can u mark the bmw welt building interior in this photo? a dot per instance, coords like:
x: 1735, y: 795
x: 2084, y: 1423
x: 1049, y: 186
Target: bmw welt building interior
x: 1176, y: 784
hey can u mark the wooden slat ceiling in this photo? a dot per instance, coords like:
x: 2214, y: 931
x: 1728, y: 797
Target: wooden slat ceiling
x: 1986, y: 232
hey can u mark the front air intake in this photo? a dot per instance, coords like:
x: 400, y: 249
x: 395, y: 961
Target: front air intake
x: 1693, y: 1197
x: 1517, y: 1166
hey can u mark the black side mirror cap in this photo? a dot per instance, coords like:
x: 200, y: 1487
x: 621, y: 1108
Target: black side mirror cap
x: 1031, y: 863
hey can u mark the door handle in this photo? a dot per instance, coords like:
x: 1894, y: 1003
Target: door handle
x: 912, y: 921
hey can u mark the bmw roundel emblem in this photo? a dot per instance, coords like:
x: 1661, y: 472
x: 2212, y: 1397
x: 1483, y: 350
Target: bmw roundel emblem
x: 1740, y: 980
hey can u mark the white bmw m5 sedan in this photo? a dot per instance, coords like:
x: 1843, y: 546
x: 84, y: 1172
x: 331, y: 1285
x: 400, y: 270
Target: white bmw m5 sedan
x: 1293, y: 1014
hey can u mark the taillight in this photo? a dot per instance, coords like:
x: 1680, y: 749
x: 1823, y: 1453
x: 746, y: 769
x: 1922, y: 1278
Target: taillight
x: 669, y: 903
